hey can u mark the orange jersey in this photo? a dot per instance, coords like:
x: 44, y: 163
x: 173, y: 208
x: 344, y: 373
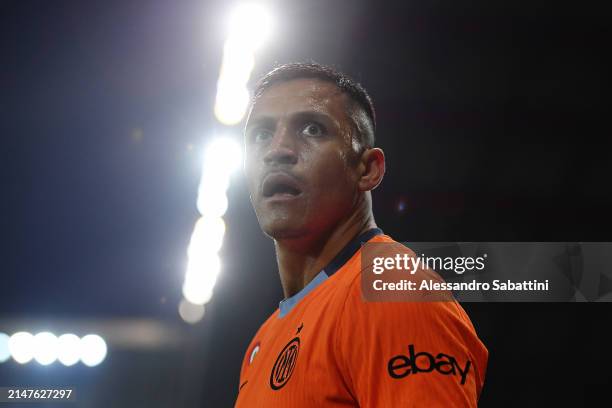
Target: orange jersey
x: 327, y: 347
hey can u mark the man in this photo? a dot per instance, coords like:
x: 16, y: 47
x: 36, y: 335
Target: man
x: 311, y: 165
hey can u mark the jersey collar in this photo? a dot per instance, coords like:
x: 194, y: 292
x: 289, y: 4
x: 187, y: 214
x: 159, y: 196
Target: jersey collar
x: 349, y: 250
x: 339, y: 260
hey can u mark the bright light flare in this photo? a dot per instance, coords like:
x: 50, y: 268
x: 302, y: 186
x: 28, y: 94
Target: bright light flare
x: 45, y: 348
x: 249, y: 26
x: 21, y: 346
x: 231, y: 103
x: 92, y: 350
x: 68, y: 352
x: 213, y: 182
x: 250, y: 23
x: 223, y: 155
x: 222, y: 158
x: 207, y: 236
x: 214, y: 205
x: 238, y: 63
x: 190, y: 312
x: 201, y: 276
x: 5, y: 353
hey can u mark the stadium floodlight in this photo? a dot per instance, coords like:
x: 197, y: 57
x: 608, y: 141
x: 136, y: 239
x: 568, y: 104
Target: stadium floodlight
x: 5, y: 353
x: 214, y: 205
x: 237, y: 65
x: 45, y: 348
x: 21, y: 346
x: 213, y: 182
x: 231, y: 103
x: 207, y: 236
x: 248, y: 27
x: 200, y: 278
x: 189, y: 312
x: 68, y: 349
x: 251, y: 23
x: 199, y: 295
x: 92, y: 350
x: 222, y: 158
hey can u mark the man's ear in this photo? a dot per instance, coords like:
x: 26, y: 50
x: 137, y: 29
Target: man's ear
x: 373, y: 165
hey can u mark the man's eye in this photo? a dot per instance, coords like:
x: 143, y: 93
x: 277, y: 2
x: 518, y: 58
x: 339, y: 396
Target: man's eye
x: 313, y: 130
x: 259, y: 135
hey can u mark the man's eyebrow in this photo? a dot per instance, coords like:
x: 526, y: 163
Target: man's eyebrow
x: 264, y: 121
x: 269, y: 121
x: 312, y: 115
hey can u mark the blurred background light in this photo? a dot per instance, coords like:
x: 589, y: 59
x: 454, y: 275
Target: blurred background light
x: 251, y: 23
x: 207, y: 236
x: 231, y: 102
x: 5, y: 353
x: 200, y: 278
x: 189, y: 312
x: 214, y: 205
x: 45, y: 348
x: 212, y: 182
x: 21, y: 346
x: 199, y: 289
x: 68, y: 349
x: 249, y: 26
x: 223, y: 156
x: 92, y: 350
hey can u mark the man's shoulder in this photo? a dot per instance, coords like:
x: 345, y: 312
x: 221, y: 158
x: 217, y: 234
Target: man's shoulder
x: 357, y: 303
x: 385, y: 244
x: 379, y: 245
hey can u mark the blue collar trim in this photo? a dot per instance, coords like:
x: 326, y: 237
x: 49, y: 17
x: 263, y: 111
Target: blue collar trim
x: 339, y: 260
x: 287, y: 305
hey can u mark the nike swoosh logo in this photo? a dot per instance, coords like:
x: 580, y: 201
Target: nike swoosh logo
x: 242, y: 385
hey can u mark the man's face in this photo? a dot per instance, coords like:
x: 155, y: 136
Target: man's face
x: 300, y: 161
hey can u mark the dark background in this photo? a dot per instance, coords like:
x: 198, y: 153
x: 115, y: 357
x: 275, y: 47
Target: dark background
x: 493, y: 116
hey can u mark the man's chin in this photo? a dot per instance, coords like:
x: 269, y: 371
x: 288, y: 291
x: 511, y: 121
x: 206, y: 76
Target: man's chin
x: 280, y: 230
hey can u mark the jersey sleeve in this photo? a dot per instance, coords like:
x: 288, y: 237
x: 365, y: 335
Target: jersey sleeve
x: 422, y: 354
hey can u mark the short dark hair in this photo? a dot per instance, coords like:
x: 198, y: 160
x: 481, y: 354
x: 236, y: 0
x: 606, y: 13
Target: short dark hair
x: 352, y: 88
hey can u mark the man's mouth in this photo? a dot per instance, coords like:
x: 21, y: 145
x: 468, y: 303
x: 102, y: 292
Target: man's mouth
x: 280, y: 185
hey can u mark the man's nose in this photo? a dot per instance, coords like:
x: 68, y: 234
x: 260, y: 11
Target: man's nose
x: 282, y: 148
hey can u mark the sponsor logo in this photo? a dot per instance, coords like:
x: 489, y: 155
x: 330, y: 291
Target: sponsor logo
x: 401, y: 366
x: 284, y: 365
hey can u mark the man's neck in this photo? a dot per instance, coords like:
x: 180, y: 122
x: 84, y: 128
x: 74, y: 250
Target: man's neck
x: 298, y: 265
